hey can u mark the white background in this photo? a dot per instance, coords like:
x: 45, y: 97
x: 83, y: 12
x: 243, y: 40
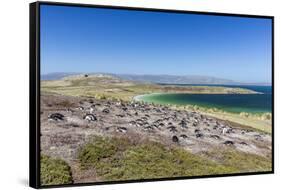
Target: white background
x: 14, y: 76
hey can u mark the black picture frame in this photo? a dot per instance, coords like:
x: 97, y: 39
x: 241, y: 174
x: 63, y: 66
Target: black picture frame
x: 34, y: 93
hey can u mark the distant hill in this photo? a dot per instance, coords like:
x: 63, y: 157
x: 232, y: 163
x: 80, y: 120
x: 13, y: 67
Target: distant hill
x: 173, y: 79
x: 56, y: 76
x: 160, y: 79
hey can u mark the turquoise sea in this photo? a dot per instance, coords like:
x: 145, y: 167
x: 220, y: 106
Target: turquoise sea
x: 252, y: 103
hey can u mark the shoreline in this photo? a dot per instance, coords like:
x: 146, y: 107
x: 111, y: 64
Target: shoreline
x: 139, y: 98
x: 255, y: 120
x: 112, y: 88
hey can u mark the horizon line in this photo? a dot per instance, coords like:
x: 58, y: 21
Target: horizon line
x: 231, y: 80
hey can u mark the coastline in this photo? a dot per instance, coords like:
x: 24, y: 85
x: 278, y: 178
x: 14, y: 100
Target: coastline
x: 138, y: 97
x: 255, y: 120
x: 112, y: 88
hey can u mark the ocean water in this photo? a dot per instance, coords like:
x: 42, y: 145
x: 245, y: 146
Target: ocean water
x: 252, y: 103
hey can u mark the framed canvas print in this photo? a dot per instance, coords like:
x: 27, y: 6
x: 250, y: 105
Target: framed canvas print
x: 121, y: 94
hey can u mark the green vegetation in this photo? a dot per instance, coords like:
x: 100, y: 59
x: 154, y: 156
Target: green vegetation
x: 111, y: 88
x: 54, y: 171
x: 122, y: 159
x: 258, y: 116
x: 114, y: 88
x: 259, y: 121
x: 240, y: 161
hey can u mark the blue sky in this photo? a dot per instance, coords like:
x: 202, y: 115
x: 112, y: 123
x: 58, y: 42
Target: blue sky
x: 77, y: 39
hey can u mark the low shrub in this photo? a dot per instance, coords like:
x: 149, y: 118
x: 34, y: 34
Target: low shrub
x: 120, y: 159
x: 54, y: 171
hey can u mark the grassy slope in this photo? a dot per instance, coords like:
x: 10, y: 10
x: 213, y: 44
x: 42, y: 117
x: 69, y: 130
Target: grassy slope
x: 121, y: 159
x: 115, y: 88
x: 255, y: 122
